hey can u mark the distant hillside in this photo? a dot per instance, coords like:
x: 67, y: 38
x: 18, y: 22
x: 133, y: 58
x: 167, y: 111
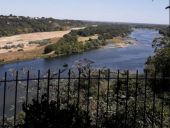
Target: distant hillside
x: 12, y: 25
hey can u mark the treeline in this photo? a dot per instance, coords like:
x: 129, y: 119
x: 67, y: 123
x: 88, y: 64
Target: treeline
x: 106, y: 31
x: 149, y: 26
x: 69, y: 44
x: 12, y: 25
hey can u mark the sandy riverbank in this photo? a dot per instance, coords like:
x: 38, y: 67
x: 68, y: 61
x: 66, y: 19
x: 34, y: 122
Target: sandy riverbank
x: 27, y: 51
x: 121, y: 42
x: 15, y: 42
x: 31, y: 51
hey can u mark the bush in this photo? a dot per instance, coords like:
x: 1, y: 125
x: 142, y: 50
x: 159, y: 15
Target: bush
x: 46, y: 114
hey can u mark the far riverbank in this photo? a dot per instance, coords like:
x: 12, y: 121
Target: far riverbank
x: 132, y: 57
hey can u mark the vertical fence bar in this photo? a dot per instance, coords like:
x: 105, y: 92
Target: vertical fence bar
x: 136, y: 98
x: 144, y: 115
x: 48, y: 85
x: 169, y: 113
x: 15, y: 106
x: 38, y: 85
x: 117, y: 98
x: 78, y: 91
x: 108, y: 88
x: 58, y: 90
x: 88, y: 91
x: 162, y: 110
x: 127, y: 94
x: 153, y: 109
x: 88, y: 96
x: 26, y: 103
x: 162, y: 104
x: 68, y: 89
x: 98, y: 95
x: 4, y: 101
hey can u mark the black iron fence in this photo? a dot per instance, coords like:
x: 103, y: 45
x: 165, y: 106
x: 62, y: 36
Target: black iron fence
x: 111, y: 99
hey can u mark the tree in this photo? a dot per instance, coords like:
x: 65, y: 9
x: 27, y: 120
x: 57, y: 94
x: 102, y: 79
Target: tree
x: 46, y: 114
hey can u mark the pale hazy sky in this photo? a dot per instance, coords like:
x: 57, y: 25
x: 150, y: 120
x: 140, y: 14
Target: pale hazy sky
x: 140, y: 11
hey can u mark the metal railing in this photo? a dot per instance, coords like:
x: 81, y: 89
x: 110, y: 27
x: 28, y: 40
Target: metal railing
x: 124, y: 99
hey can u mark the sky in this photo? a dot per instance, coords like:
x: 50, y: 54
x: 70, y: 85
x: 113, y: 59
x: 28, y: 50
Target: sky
x: 134, y: 11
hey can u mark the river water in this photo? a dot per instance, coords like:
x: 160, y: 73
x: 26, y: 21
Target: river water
x: 132, y: 57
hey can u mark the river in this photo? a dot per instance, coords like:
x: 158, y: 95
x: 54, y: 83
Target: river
x: 132, y: 57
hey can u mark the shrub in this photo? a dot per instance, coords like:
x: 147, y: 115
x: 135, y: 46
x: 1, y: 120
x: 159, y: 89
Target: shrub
x: 46, y: 114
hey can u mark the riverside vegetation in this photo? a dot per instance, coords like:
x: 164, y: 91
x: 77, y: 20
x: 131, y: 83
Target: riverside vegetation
x: 59, y: 112
x: 69, y: 44
x: 95, y: 35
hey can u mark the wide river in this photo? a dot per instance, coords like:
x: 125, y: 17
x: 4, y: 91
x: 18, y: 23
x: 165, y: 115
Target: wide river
x: 132, y: 57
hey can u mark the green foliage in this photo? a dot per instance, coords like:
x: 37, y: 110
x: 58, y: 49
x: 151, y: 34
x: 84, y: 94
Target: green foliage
x: 160, y: 62
x: 105, y: 31
x: 12, y: 25
x: 40, y: 43
x: 47, y: 115
x: 1, y: 61
x: 69, y: 43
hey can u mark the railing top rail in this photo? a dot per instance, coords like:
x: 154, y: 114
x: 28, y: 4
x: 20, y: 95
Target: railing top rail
x: 74, y: 78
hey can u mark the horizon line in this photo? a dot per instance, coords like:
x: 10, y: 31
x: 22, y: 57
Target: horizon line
x: 122, y: 22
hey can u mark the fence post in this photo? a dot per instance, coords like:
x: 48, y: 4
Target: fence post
x: 48, y: 86
x: 38, y: 85
x: 78, y: 91
x: 16, y: 91
x: 136, y: 97
x: 154, y: 91
x: 88, y: 96
x: 4, y: 101
x: 162, y: 104
x: 27, y: 89
x: 144, y: 119
x: 58, y: 91
x: 127, y: 94
x: 108, y: 88
x: 98, y: 95
x: 68, y: 89
x: 117, y: 98
x: 88, y: 91
x: 26, y: 104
